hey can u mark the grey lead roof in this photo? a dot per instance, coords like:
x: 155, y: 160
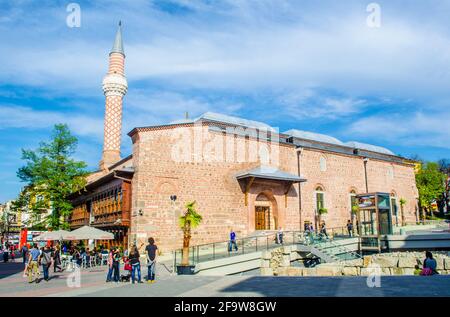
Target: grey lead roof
x: 268, y: 172
x: 212, y: 116
x: 368, y: 147
x: 313, y: 136
x: 118, y: 44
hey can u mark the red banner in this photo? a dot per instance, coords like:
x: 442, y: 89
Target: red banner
x: 23, y: 237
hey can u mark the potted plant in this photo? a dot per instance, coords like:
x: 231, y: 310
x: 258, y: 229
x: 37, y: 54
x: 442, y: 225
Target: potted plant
x: 188, y: 221
x: 402, y: 204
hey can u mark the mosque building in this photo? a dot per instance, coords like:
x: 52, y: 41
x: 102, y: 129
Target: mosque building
x: 244, y: 175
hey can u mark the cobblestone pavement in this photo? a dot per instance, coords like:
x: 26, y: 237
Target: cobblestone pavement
x: 93, y: 284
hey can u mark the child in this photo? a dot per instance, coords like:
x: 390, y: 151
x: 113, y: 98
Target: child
x: 127, y: 267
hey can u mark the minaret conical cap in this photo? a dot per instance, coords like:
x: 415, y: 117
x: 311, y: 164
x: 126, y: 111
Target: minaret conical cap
x: 118, y: 44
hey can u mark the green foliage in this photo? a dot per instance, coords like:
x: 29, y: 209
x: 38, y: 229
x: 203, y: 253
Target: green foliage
x: 430, y: 183
x: 355, y: 209
x: 402, y: 201
x: 191, y: 218
x: 53, y: 174
x: 322, y: 211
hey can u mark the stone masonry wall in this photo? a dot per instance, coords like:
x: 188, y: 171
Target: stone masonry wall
x: 397, y: 263
x: 219, y: 196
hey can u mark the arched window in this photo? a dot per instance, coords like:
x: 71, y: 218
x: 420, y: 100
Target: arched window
x: 394, y: 208
x: 353, y: 200
x: 323, y: 164
x: 320, y: 198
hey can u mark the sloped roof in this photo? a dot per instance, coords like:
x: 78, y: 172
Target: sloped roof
x: 368, y: 147
x: 268, y: 172
x: 218, y: 117
x: 313, y: 136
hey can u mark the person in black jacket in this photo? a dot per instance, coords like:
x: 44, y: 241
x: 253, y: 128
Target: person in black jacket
x: 135, y: 264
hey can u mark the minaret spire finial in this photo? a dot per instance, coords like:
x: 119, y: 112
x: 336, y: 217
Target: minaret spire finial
x: 118, y: 44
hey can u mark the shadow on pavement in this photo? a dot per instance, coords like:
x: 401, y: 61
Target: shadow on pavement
x: 10, y: 268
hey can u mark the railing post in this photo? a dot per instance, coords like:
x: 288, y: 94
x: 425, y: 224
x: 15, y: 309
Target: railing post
x: 214, y: 251
x: 267, y: 242
x: 256, y: 244
x: 243, y: 242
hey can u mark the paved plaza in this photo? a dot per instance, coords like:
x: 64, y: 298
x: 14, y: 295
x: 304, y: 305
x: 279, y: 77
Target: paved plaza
x: 93, y: 284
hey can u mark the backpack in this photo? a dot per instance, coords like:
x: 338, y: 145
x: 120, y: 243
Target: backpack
x: 46, y: 258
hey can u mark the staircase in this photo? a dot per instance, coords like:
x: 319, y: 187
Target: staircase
x: 331, y: 251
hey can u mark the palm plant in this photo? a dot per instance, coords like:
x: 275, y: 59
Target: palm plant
x: 402, y: 204
x: 190, y: 220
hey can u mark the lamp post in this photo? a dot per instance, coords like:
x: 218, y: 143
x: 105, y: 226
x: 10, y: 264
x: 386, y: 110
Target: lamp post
x: 365, y: 173
x: 299, y: 153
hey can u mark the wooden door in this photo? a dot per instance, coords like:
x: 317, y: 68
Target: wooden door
x: 260, y: 217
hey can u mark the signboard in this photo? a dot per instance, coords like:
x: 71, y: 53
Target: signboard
x: 366, y: 201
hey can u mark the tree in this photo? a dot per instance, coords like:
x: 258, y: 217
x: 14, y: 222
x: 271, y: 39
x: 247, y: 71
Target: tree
x: 190, y: 220
x: 430, y: 183
x: 444, y: 167
x: 53, y: 174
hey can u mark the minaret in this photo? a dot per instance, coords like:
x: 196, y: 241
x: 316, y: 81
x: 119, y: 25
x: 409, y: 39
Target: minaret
x: 114, y: 87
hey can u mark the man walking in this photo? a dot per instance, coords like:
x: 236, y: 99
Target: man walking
x: 24, y: 251
x: 33, y: 267
x: 280, y: 235
x: 350, y: 228
x: 232, y: 241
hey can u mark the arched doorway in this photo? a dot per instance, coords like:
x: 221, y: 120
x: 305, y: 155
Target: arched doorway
x: 265, y: 212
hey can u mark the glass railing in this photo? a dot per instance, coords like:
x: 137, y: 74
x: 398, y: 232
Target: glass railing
x: 257, y: 243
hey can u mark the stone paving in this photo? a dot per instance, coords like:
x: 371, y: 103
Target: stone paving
x: 93, y: 284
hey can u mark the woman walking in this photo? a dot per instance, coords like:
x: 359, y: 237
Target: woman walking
x: 135, y: 264
x: 56, y: 259
x: 115, y: 265
x: 110, y: 265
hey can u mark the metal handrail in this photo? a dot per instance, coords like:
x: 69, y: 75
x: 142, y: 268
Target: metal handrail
x: 250, y: 244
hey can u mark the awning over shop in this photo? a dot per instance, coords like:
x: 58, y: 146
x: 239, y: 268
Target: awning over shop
x: 52, y: 235
x: 89, y: 233
x: 247, y: 178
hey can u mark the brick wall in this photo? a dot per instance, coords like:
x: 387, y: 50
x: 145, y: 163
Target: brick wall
x: 219, y: 196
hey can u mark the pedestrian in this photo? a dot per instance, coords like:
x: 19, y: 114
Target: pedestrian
x: 232, y: 241
x: 151, y: 249
x: 350, y: 228
x: 24, y: 251
x: 57, y: 259
x: 323, y: 230
x: 110, y: 265
x: 115, y: 265
x: 135, y: 264
x: 33, y: 266
x: 429, y: 265
x: 46, y: 261
x: 280, y: 235
x: 6, y: 253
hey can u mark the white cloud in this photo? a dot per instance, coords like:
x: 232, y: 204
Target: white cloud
x: 409, y: 129
x: 27, y: 118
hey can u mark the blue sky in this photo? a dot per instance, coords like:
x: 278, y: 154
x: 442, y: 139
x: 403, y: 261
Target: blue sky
x: 312, y: 65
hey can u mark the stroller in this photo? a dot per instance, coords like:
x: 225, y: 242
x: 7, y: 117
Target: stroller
x: 127, y: 268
